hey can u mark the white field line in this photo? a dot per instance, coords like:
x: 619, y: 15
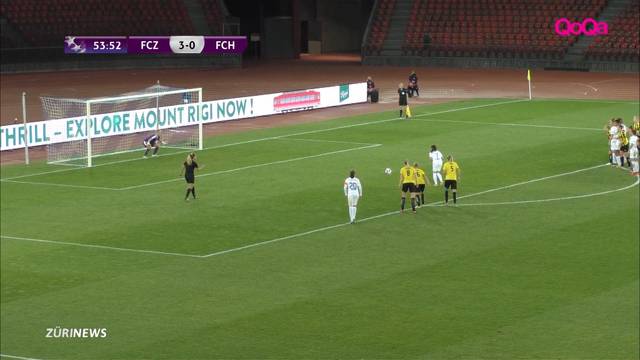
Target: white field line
x: 397, y: 211
x: 603, y: 101
x: 97, y: 246
x: 275, y: 137
x: 253, y: 166
x: 58, y: 185
x: 511, y: 124
x: 222, y: 252
x: 635, y: 184
x: 16, y: 357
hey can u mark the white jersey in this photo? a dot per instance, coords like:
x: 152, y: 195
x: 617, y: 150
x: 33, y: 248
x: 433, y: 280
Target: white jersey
x: 436, y: 160
x: 633, y: 153
x: 352, y: 186
x: 633, y: 140
x: 614, y: 132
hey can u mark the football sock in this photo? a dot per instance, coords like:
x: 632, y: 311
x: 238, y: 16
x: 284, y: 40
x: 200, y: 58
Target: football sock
x: 628, y: 162
x: 353, y: 217
x: 155, y: 150
x: 413, y: 204
x: 621, y: 161
x: 440, y: 177
x: 400, y: 113
x: 610, y: 159
x: 454, y: 197
x: 418, y: 200
x: 187, y: 196
x: 402, y: 204
x: 446, y: 196
x: 146, y: 152
x: 435, y: 179
x: 422, y: 198
x: 193, y: 192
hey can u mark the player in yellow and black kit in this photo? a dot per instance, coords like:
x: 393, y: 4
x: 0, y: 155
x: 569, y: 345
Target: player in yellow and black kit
x: 451, y: 172
x: 408, y: 185
x: 421, y: 181
x: 624, y: 147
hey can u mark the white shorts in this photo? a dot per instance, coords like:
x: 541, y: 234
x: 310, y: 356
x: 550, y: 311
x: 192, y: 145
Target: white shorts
x: 436, y: 166
x: 615, y: 144
x: 352, y: 199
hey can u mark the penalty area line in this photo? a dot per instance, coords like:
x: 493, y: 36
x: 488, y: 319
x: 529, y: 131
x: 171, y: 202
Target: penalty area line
x: 520, y: 202
x: 433, y: 204
x: 254, y: 166
x: 17, y: 357
x: 104, y: 247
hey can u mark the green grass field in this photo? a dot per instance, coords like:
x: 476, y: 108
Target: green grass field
x: 540, y: 259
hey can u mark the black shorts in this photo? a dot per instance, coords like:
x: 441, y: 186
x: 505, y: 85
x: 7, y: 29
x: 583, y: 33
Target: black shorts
x: 402, y: 102
x: 190, y: 179
x: 408, y: 187
x: 624, y: 148
x: 421, y: 187
x: 453, y: 184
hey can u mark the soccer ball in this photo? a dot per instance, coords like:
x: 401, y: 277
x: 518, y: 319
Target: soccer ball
x: 387, y: 171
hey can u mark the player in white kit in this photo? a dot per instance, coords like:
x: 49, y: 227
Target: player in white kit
x: 353, y: 192
x: 634, y: 156
x: 436, y: 164
x: 614, y: 134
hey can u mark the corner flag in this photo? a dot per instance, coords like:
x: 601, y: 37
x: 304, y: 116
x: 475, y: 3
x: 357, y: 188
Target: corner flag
x: 529, y: 81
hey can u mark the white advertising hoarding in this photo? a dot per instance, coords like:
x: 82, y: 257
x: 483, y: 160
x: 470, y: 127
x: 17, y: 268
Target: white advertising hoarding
x: 128, y: 122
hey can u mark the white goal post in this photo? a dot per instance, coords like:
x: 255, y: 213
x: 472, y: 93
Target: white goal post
x: 154, y: 100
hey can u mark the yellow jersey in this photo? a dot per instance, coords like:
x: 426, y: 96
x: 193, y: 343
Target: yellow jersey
x: 450, y: 169
x: 420, y: 176
x: 408, y: 175
x: 623, y: 138
x: 636, y: 126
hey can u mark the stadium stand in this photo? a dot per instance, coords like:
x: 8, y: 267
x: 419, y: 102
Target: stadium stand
x: 214, y: 15
x: 622, y: 42
x: 494, y: 28
x: 379, y: 27
x: 45, y: 23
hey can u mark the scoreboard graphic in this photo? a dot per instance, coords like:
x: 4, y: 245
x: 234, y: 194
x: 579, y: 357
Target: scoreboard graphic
x: 154, y: 44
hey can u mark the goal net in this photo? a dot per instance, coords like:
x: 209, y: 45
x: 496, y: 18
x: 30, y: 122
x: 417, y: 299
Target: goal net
x: 83, y: 151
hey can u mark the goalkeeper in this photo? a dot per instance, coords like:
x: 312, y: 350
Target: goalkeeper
x: 151, y: 142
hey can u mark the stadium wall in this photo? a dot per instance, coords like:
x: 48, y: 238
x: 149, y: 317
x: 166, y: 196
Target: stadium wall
x: 495, y: 63
x: 31, y: 60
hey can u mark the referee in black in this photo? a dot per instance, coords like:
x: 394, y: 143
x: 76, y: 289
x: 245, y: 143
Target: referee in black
x: 402, y: 99
x: 188, y: 168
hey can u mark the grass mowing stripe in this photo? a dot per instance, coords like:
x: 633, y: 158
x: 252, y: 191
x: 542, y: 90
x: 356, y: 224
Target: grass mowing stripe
x: 253, y: 166
x: 275, y: 137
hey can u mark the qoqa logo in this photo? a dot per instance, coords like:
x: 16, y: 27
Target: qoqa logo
x: 589, y: 27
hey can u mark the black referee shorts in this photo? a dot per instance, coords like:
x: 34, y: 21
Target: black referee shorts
x: 408, y: 187
x: 190, y: 179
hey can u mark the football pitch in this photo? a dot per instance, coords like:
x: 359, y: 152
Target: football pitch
x: 540, y: 259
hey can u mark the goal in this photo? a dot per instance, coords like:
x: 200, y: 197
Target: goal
x: 83, y: 151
